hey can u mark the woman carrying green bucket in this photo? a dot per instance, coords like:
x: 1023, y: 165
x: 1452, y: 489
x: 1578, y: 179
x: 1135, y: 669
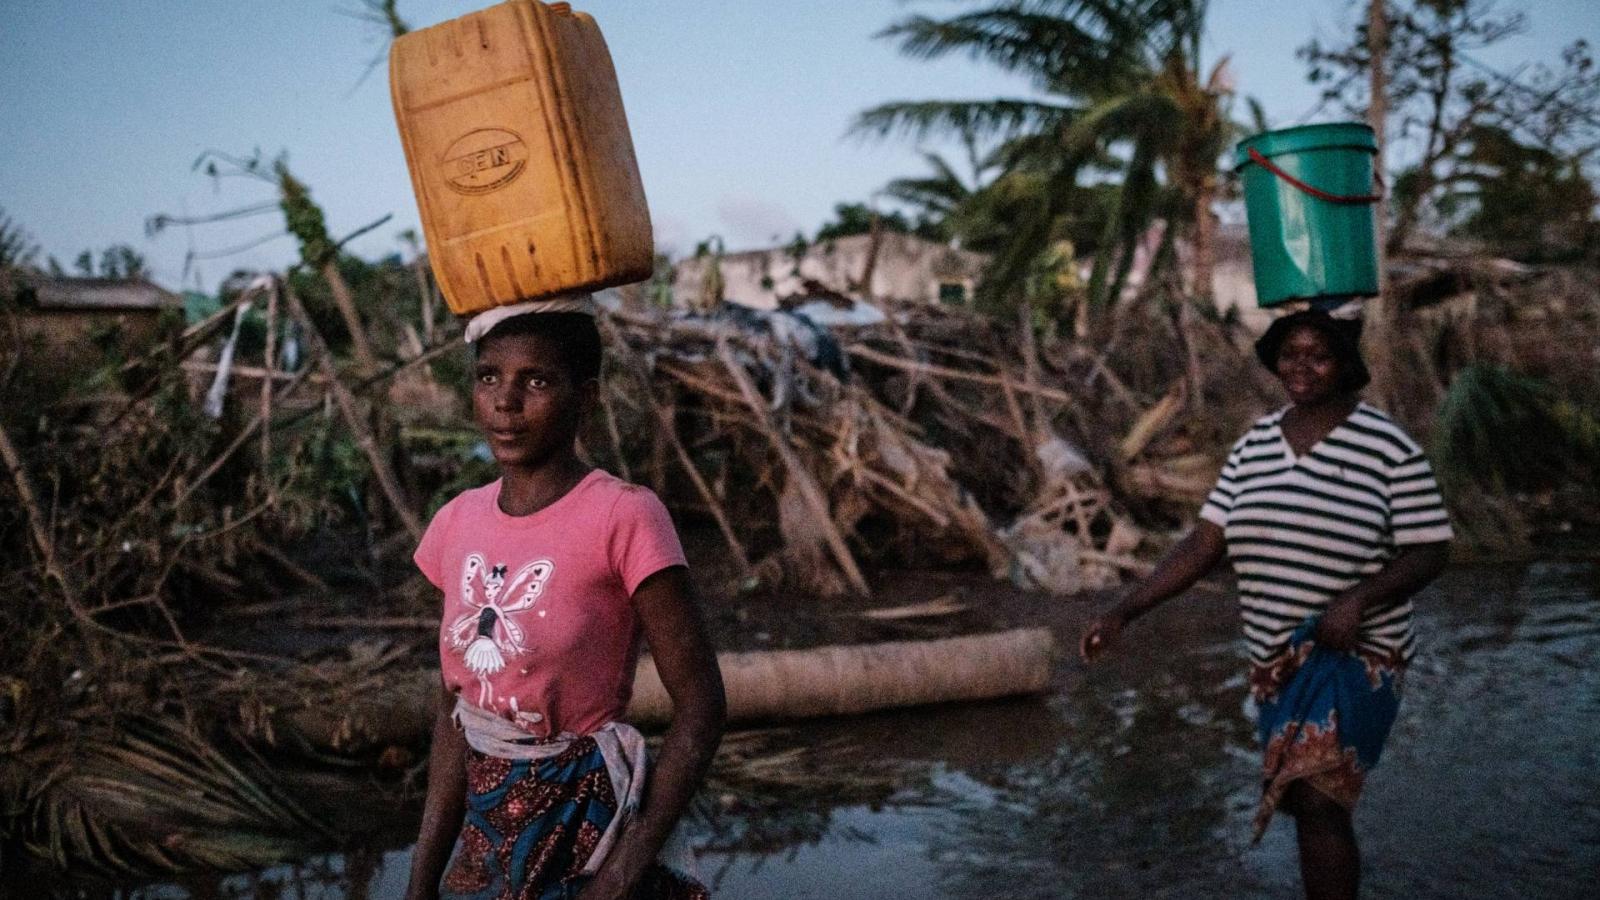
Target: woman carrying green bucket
x: 1310, y: 198
x: 1328, y: 512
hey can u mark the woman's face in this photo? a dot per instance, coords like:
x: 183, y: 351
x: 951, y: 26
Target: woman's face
x: 526, y: 401
x: 1307, y: 367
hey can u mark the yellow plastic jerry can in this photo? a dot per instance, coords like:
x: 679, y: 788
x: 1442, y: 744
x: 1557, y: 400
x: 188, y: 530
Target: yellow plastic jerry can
x: 520, y: 155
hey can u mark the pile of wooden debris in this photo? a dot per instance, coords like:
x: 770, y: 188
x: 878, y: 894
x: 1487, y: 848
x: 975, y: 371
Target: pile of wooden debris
x: 934, y: 436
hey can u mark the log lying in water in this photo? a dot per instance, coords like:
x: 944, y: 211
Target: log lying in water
x: 841, y: 680
x: 762, y: 686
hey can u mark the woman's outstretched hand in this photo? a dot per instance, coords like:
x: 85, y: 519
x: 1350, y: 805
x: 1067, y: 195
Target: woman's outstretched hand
x: 1100, y: 634
x: 1184, y: 564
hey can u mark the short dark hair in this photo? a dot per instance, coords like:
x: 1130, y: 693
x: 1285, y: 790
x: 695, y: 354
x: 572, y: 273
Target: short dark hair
x: 1343, y: 337
x: 574, y: 333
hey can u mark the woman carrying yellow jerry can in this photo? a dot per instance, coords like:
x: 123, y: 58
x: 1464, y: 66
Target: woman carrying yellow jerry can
x: 554, y: 575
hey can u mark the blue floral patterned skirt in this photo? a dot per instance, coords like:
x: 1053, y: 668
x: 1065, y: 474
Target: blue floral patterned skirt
x: 1325, y: 715
x: 531, y: 825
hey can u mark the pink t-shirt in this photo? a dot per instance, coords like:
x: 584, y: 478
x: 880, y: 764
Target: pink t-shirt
x: 539, y: 625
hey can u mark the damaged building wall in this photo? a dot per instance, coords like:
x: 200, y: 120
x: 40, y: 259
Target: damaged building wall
x: 905, y: 267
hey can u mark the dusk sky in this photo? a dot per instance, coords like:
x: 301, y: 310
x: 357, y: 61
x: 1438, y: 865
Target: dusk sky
x: 739, y: 110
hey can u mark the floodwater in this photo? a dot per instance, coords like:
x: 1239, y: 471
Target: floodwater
x: 1136, y: 779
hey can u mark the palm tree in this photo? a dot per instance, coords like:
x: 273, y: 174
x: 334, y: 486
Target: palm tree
x: 1022, y: 207
x: 1121, y: 90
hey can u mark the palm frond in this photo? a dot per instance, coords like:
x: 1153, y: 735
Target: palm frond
x: 153, y: 799
x: 936, y: 195
x: 1043, y: 47
x: 930, y: 196
x: 943, y: 171
x: 1145, y: 117
x: 943, y: 118
x: 1048, y: 152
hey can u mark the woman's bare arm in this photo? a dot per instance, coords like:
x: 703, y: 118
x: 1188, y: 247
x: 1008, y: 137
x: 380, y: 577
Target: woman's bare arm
x: 1410, y: 571
x: 688, y: 669
x: 1186, y: 563
x: 445, y: 804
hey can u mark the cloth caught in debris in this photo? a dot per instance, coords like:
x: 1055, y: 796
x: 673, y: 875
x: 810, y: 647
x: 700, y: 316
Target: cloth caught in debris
x: 1325, y: 715
x: 219, y: 384
x: 482, y: 323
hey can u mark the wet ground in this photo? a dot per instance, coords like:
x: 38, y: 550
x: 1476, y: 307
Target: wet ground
x: 1136, y: 779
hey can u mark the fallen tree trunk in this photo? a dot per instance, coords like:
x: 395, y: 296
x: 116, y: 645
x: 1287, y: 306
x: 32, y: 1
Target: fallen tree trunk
x: 844, y: 680
x: 762, y: 686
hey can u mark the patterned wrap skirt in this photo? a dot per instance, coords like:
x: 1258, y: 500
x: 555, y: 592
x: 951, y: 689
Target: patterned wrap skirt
x: 531, y: 825
x: 1324, y: 717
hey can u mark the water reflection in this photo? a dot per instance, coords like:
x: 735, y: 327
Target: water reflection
x: 1496, y: 760
x: 1150, y: 784
x: 886, y: 784
x: 1488, y: 789
x: 1136, y: 779
x: 363, y: 873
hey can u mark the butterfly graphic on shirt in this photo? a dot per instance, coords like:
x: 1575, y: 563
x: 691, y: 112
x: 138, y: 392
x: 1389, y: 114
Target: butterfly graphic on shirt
x: 488, y: 633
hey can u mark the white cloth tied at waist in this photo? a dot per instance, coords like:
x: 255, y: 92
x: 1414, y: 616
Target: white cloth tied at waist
x: 621, y: 746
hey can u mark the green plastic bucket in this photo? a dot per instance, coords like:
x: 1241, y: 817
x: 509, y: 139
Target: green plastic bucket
x: 1310, y: 200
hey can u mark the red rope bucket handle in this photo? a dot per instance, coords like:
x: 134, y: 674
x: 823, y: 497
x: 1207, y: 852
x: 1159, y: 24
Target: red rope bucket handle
x: 1257, y: 158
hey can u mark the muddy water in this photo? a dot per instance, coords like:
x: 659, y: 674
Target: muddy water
x: 1135, y: 779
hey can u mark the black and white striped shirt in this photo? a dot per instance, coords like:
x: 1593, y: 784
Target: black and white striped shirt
x: 1302, y: 529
